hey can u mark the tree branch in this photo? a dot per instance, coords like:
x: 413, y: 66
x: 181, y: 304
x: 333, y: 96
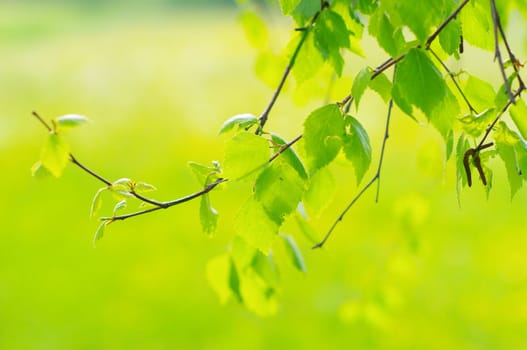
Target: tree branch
x: 46, y: 125
x: 376, y: 177
x: 305, y: 32
x: 165, y: 205
x: 442, y: 26
x: 512, y: 57
x: 481, y: 145
x: 89, y: 171
x: 497, y: 52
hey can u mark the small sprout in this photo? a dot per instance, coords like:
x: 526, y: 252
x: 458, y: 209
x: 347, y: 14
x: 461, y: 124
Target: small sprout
x: 68, y: 121
x: 119, y: 206
x: 99, y: 233
x: 240, y: 121
x: 142, y: 187
x: 97, y: 202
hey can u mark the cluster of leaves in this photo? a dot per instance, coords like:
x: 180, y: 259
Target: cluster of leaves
x: 419, y: 38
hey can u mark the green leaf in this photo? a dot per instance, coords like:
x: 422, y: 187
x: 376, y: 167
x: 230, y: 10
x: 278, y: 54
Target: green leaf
x: 242, y: 253
x: 294, y: 253
x: 143, y: 187
x: 391, y: 39
x: 245, y: 154
x: 360, y: 84
x: 279, y: 188
x: 219, y: 271
x: 208, y: 215
x: 381, y: 85
x: 55, y: 154
x: 289, y: 155
x: 479, y: 92
x: 476, y: 125
x: 323, y: 131
x: 255, y: 29
x: 39, y: 171
x: 450, y: 37
x: 477, y: 24
x: 240, y: 121
x: 306, y: 228
x: 253, y: 224
x: 234, y: 282
x: 312, y: 60
x: 265, y: 267
x: 367, y: 7
x: 444, y: 115
x: 320, y: 191
x: 258, y: 296
x: 96, y: 202
x: 69, y: 121
x: 418, y: 82
x: 357, y: 147
x: 202, y: 172
x: 518, y: 112
x: 449, y: 144
x: 420, y: 16
x: 99, y: 233
x: 461, y: 176
x: 287, y: 6
x: 506, y: 145
x: 305, y: 10
x: 330, y: 36
x: 119, y: 206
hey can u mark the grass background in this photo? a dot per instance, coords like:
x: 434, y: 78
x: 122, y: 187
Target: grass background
x: 413, y: 272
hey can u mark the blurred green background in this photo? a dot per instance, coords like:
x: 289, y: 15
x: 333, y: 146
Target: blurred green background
x: 415, y: 271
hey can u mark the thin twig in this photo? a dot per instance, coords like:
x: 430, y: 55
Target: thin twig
x: 46, y: 125
x: 386, y: 137
x: 147, y: 200
x: 376, y: 177
x: 512, y: 57
x: 165, y: 205
x: 305, y: 32
x: 89, y: 171
x: 284, y: 147
x: 481, y: 144
x: 442, y: 26
x: 497, y: 52
x: 445, y: 67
